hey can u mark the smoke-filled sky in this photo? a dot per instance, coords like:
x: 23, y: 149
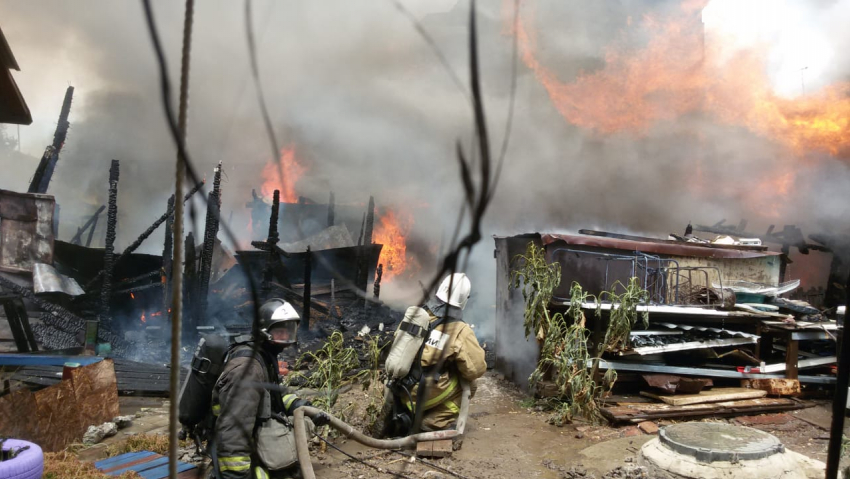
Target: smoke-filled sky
x: 369, y: 110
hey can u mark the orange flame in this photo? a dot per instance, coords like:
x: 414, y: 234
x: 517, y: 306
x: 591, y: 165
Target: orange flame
x: 392, y: 230
x: 144, y: 320
x: 133, y: 296
x: 676, y: 74
x: 292, y: 172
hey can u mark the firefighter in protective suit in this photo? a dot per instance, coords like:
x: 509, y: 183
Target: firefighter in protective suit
x: 253, y: 431
x: 453, y: 341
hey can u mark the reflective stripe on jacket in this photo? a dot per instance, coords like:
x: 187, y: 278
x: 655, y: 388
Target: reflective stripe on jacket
x: 463, y: 357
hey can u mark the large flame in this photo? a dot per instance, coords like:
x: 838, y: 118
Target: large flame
x: 392, y: 230
x: 677, y: 73
x: 292, y: 172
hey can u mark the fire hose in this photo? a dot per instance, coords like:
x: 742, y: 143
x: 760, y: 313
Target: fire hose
x: 303, y: 450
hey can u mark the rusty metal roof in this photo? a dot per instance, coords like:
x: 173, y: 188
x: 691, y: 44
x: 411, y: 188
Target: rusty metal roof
x: 661, y: 248
x: 7, y: 59
x: 13, y: 108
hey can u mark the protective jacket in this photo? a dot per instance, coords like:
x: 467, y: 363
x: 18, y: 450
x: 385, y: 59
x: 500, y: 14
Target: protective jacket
x: 240, y: 406
x: 454, y: 341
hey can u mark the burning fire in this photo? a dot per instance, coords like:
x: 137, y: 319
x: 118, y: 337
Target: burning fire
x: 391, y: 230
x: 292, y: 171
x: 678, y: 73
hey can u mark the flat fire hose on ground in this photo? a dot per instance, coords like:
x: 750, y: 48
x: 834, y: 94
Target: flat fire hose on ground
x: 303, y: 450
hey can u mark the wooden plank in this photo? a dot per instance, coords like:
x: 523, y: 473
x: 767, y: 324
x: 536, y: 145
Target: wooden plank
x: 637, y: 412
x: 711, y: 395
x: 132, y: 463
x: 791, y: 359
x: 121, y: 459
x: 159, y: 461
x: 161, y: 472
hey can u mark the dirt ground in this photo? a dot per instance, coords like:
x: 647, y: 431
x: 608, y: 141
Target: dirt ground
x: 507, y: 440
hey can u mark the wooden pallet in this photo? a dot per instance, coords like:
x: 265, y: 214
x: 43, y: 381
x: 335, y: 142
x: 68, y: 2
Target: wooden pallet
x: 637, y: 412
x: 146, y: 464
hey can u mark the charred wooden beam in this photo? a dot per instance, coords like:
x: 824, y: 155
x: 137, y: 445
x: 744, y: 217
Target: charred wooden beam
x: 370, y: 222
x: 109, y: 248
x: 47, y: 165
x: 333, y: 300
x: 210, y: 233
x: 378, y: 274
x: 362, y: 230
x: 271, y: 244
x: 364, y: 250
x: 304, y: 326
x: 60, y: 318
x: 264, y: 246
x: 93, y: 228
x: 331, y: 210
x: 135, y: 245
x: 19, y: 323
x: 189, y: 284
x: 168, y: 246
x: 92, y: 222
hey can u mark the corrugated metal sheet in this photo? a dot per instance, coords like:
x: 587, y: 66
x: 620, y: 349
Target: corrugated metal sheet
x: 45, y: 279
x: 26, y: 230
x: 683, y: 249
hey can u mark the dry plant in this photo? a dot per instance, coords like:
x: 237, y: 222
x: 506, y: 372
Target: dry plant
x: 373, y: 386
x: 624, y: 313
x: 157, y: 443
x: 332, y: 367
x: 65, y: 465
x: 565, y: 356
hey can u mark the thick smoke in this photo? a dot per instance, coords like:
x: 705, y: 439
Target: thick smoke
x: 370, y: 111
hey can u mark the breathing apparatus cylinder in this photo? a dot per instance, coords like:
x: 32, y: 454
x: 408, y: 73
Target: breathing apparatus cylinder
x: 196, y: 394
x: 407, y: 342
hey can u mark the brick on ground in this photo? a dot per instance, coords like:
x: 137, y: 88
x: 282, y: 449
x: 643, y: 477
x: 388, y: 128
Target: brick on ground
x: 441, y: 448
x: 648, y: 427
x: 631, y: 431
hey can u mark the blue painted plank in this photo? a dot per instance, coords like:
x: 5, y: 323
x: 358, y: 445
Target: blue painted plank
x: 121, y: 459
x: 11, y: 359
x: 161, y: 472
x: 139, y: 467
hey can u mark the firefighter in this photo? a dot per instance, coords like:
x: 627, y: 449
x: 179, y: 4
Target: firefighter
x: 453, y: 342
x: 253, y: 435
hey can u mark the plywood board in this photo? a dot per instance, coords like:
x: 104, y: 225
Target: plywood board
x: 711, y: 395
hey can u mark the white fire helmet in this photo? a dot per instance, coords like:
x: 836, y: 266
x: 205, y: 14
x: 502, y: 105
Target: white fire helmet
x: 460, y: 289
x: 278, y: 315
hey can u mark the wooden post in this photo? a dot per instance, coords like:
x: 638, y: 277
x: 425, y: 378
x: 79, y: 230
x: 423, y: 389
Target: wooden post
x: 331, y: 210
x: 791, y: 354
x: 109, y: 248
x: 333, y: 300
x: 304, y: 326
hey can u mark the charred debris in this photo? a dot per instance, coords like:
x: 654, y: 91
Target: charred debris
x: 728, y: 331
x: 71, y: 298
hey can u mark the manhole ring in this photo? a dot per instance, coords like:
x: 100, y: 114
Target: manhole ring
x: 710, y: 442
